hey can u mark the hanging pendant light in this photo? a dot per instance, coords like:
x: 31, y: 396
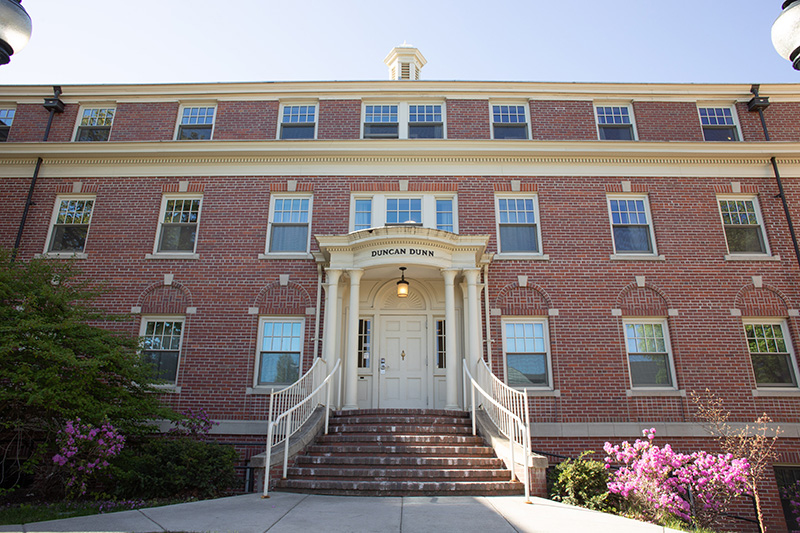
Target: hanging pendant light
x: 402, y: 285
x: 15, y: 28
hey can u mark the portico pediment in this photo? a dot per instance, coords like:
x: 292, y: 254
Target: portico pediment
x: 393, y: 245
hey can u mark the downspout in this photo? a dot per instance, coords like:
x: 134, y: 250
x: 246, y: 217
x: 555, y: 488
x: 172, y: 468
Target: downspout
x: 53, y: 105
x: 760, y: 103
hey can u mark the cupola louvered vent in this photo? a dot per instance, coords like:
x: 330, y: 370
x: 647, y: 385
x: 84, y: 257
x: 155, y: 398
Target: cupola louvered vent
x: 405, y: 63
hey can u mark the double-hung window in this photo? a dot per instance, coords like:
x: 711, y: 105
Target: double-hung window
x: 518, y: 224
x: 298, y: 121
x: 180, y: 218
x: 771, y: 353
x: 196, y: 123
x: 280, y: 350
x: 509, y: 122
x: 364, y: 342
x: 649, y: 355
x: 744, y: 230
x: 381, y: 121
x: 614, y: 123
x: 94, y: 124
x: 289, y: 224
x: 430, y: 211
x: 70, y: 224
x: 526, y: 350
x: 425, y: 121
x: 718, y: 123
x: 6, y: 119
x: 631, y: 229
x: 161, y: 346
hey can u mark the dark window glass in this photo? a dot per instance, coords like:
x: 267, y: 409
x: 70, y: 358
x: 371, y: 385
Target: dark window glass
x: 69, y: 238
x: 650, y: 370
x: 745, y: 239
x: 380, y: 131
x: 632, y: 239
x: 720, y: 134
x: 194, y: 133
x: 277, y: 367
x: 92, y: 134
x: 177, y: 238
x: 788, y: 480
x: 165, y: 365
x: 297, y: 131
x: 518, y: 238
x: 425, y: 131
x: 289, y: 238
x: 510, y: 131
x: 162, y: 344
x: 613, y: 133
x: 4, y: 133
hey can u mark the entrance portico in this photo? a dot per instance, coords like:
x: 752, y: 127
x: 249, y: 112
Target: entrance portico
x: 402, y: 352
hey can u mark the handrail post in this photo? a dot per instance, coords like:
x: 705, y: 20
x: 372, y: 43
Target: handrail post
x: 511, y: 442
x: 472, y: 391
x: 268, y: 459
x: 271, y: 403
x: 286, y: 445
x: 327, y: 404
x: 526, y: 457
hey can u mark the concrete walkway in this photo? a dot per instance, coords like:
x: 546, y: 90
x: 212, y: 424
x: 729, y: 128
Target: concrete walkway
x: 302, y: 513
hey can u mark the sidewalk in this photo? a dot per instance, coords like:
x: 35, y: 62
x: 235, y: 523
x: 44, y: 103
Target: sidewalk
x: 303, y: 513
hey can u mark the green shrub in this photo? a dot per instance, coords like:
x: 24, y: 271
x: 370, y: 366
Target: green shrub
x: 164, y: 467
x: 583, y: 483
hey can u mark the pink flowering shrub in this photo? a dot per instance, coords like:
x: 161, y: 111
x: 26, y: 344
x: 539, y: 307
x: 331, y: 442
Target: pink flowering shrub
x: 195, y: 424
x: 657, y: 483
x: 84, y: 450
x: 791, y: 493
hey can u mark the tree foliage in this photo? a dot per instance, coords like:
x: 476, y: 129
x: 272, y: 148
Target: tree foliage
x: 582, y: 482
x: 61, y: 360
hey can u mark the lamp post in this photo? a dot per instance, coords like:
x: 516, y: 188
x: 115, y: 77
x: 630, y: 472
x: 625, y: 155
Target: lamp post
x: 15, y: 28
x: 786, y: 32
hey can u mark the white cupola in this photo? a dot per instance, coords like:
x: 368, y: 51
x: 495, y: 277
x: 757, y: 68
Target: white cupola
x: 404, y: 62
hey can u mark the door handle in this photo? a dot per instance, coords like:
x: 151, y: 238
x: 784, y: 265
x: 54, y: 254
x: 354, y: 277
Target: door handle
x: 403, y: 355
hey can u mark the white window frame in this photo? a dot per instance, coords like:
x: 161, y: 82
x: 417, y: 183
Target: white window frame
x: 663, y: 322
x: 260, y: 343
x: 403, y: 116
x: 178, y: 124
x: 305, y: 254
x: 787, y: 337
x: 548, y: 353
x: 379, y: 207
x: 284, y: 105
x: 733, y: 256
x: 651, y: 227
x: 516, y: 103
x: 734, y: 115
x: 166, y: 318
x: 539, y: 254
x: 54, y: 218
x: 83, y: 109
x: 634, y: 134
x: 176, y: 254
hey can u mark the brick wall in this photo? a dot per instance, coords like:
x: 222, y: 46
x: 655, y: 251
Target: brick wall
x: 562, y: 120
x: 150, y: 121
x: 339, y: 119
x: 468, y: 119
x: 30, y: 123
x: 667, y: 121
x: 246, y: 120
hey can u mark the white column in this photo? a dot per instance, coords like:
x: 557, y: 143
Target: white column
x: 452, y: 364
x: 351, y: 368
x: 331, y: 302
x: 474, y: 315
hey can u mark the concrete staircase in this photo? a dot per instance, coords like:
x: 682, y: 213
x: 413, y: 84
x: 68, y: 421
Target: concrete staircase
x: 400, y: 452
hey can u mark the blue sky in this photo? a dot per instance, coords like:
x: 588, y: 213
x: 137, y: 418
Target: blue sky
x: 149, y: 41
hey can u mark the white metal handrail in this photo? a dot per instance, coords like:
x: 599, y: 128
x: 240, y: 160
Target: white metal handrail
x: 514, y: 427
x: 514, y: 400
x: 292, y: 419
x: 284, y: 399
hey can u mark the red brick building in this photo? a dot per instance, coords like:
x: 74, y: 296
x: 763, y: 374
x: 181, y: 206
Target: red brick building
x: 609, y: 247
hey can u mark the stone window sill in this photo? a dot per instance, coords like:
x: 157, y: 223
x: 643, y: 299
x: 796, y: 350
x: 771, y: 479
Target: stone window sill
x: 787, y: 392
x: 752, y: 257
x: 636, y: 257
x: 62, y: 255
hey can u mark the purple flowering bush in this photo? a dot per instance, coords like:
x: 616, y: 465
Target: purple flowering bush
x: 656, y: 483
x: 84, y: 451
x: 195, y: 424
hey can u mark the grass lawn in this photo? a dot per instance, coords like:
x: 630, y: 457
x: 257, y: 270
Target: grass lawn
x: 23, y: 513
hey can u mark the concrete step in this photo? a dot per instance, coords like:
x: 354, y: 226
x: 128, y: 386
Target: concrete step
x: 402, y: 461
x: 418, y: 420
x: 402, y: 488
x: 377, y: 449
x: 401, y: 412
x: 389, y: 438
x: 401, y: 473
x: 402, y: 429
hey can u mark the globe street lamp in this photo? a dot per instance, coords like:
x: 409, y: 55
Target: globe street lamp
x: 786, y: 32
x: 15, y: 28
